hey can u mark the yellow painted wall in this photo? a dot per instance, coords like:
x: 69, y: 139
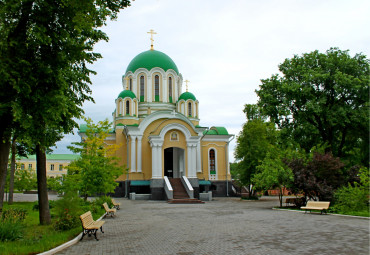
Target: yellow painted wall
x: 121, y: 153
x: 220, y: 159
x: 49, y: 172
x: 127, y: 121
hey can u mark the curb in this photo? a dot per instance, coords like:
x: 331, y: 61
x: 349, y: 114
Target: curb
x: 67, y: 244
x: 342, y: 215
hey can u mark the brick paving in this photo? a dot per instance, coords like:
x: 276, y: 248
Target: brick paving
x: 223, y: 226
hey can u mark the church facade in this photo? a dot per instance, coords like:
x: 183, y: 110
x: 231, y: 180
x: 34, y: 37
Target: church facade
x: 157, y: 126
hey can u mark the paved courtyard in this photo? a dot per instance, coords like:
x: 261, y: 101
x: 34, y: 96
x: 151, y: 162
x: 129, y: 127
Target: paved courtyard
x: 224, y: 226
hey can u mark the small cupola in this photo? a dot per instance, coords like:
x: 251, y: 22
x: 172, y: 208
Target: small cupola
x: 126, y: 104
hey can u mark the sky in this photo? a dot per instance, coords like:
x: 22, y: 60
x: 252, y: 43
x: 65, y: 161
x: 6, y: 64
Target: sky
x: 224, y: 48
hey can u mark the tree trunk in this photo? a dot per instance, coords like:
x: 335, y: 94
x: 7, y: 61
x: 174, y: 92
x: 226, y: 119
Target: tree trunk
x: 4, y: 157
x: 281, y: 196
x: 44, y: 212
x: 12, y: 172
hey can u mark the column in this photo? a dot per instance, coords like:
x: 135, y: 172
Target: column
x: 164, y: 90
x: 191, y: 161
x: 159, y: 162
x: 133, y: 154
x: 139, y: 154
x: 199, y: 167
x: 134, y: 85
x: 149, y: 86
x: 156, y: 161
x: 194, y: 161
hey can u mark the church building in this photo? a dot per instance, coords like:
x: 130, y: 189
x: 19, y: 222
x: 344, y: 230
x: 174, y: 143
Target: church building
x: 163, y: 144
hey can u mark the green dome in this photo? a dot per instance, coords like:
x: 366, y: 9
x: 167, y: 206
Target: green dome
x: 186, y: 96
x: 150, y: 59
x: 126, y: 93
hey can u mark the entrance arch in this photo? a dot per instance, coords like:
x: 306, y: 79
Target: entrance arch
x: 174, y: 162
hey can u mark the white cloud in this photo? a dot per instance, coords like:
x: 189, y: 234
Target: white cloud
x: 224, y: 47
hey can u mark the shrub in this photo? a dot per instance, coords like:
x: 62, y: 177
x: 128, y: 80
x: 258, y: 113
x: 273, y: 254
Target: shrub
x: 68, y: 210
x: 66, y: 221
x: 98, y: 202
x: 351, y: 198
x: 13, y: 215
x: 36, y: 205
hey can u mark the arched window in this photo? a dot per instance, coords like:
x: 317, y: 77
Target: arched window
x: 156, y: 88
x: 130, y: 86
x: 142, y: 89
x: 189, y: 109
x: 170, y: 89
x: 212, y: 161
x: 127, y: 107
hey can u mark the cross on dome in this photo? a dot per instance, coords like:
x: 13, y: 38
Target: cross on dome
x: 187, y: 85
x: 151, y: 32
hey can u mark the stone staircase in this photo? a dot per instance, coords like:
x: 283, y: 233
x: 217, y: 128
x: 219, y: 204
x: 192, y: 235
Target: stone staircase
x: 180, y: 196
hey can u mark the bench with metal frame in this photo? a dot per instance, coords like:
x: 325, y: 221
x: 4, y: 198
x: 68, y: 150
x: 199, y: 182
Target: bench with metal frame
x: 90, y: 226
x: 322, y: 206
x: 115, y: 204
x: 109, y: 211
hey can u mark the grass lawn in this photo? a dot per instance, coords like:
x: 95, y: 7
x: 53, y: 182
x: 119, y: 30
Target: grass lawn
x: 36, y: 238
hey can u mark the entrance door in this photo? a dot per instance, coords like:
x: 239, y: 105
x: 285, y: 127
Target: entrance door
x: 168, y: 162
x: 174, y: 162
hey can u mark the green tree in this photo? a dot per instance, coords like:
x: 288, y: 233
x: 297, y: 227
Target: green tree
x: 273, y: 173
x: 322, y: 99
x: 25, y: 180
x: 44, y: 78
x: 253, y: 143
x: 97, y: 168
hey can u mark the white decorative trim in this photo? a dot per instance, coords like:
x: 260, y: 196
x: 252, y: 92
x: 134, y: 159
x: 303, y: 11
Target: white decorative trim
x: 133, y: 154
x: 139, y: 154
x: 216, y: 138
x: 212, y: 176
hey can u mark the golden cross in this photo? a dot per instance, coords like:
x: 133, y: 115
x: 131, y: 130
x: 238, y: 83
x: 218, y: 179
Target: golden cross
x: 151, y: 32
x: 126, y: 79
x: 187, y: 85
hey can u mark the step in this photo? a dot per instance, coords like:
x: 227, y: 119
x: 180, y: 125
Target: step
x: 185, y: 201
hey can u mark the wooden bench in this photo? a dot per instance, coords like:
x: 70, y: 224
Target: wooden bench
x: 316, y: 205
x: 109, y: 211
x: 115, y: 204
x: 90, y: 226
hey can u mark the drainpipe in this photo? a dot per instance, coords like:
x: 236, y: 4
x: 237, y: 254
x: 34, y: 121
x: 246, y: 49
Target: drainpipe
x: 227, y: 165
x: 128, y: 162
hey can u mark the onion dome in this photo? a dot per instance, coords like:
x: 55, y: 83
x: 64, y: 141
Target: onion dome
x: 151, y: 59
x: 126, y: 93
x: 187, y: 95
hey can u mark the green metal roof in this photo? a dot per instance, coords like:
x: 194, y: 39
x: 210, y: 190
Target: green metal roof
x: 139, y: 183
x: 83, y: 128
x: 203, y: 182
x: 186, y: 96
x: 150, y: 59
x: 216, y: 131
x: 126, y: 93
x: 55, y: 157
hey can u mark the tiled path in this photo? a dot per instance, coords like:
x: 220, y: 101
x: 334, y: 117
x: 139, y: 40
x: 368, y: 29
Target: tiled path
x: 224, y: 226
